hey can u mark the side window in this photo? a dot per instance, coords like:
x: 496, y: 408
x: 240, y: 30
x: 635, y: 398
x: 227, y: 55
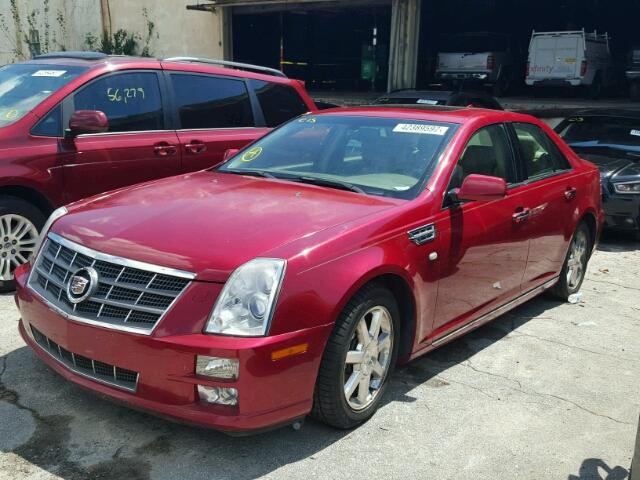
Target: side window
x: 539, y: 154
x: 211, y: 102
x: 50, y: 125
x: 131, y: 101
x: 279, y: 102
x: 487, y: 153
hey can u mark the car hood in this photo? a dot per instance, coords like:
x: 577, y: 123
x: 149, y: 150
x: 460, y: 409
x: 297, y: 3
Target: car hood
x: 210, y: 223
x: 612, y: 163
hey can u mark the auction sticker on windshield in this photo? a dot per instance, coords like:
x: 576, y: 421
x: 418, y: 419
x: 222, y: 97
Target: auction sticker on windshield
x: 48, y: 73
x: 251, y: 155
x: 421, y: 128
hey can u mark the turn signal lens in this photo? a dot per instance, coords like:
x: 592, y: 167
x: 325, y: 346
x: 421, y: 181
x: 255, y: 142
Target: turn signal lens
x: 225, y: 368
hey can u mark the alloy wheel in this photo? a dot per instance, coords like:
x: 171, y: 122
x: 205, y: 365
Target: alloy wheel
x: 18, y: 239
x: 577, y: 259
x: 368, y: 359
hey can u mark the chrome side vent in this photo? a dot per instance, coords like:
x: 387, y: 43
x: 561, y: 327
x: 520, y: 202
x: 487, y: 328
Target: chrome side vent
x: 422, y: 235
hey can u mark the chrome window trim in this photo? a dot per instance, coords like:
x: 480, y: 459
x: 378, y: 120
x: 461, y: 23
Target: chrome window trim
x: 118, y: 261
x: 128, y: 132
x: 82, y: 374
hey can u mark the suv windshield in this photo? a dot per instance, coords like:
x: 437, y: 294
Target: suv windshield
x: 602, y: 131
x: 377, y: 156
x: 25, y: 85
x: 474, y: 44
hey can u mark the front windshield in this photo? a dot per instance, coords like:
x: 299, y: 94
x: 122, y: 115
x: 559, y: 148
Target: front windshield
x: 25, y: 85
x: 602, y: 131
x: 372, y: 155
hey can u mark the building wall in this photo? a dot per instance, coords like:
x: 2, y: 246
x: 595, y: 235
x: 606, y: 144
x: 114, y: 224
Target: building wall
x: 69, y: 24
x: 61, y: 25
x: 177, y: 31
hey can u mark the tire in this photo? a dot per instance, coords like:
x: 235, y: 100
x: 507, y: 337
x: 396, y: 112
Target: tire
x: 20, y: 224
x: 330, y: 403
x: 567, y: 284
x: 501, y: 87
x: 595, y: 89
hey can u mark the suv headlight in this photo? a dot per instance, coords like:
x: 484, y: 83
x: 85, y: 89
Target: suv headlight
x: 57, y: 213
x: 245, y: 305
x: 627, y: 187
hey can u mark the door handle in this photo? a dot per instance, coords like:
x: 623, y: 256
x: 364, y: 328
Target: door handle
x: 195, y: 147
x: 521, y: 215
x: 570, y: 193
x: 164, y: 149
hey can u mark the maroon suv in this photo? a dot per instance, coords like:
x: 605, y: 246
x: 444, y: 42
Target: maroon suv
x: 75, y: 124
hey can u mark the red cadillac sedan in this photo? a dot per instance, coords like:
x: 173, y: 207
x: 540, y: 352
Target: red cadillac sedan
x: 294, y: 277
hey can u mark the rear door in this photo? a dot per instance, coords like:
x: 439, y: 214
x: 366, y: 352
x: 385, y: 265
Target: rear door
x: 138, y: 146
x: 213, y: 114
x: 555, y: 57
x: 549, y: 193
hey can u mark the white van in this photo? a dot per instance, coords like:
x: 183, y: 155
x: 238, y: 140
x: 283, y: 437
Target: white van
x: 573, y: 58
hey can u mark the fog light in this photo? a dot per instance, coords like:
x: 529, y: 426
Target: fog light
x: 218, y: 395
x: 226, y: 368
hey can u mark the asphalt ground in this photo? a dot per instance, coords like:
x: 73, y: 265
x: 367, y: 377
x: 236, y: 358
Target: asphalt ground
x: 547, y: 391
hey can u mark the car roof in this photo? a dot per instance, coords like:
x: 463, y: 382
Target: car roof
x: 432, y: 94
x: 607, y: 112
x: 441, y: 114
x: 190, y: 64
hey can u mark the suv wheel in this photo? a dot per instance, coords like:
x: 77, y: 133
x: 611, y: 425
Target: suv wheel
x: 358, y: 359
x: 575, y: 264
x: 20, y: 224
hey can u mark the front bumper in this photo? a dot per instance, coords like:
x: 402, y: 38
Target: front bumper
x: 270, y: 392
x: 452, y: 76
x: 554, y: 82
x: 622, y: 212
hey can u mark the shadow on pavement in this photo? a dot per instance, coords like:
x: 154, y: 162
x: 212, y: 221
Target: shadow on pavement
x: 596, y: 469
x: 618, y: 242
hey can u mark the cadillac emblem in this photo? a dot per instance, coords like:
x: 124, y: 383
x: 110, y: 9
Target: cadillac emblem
x: 82, y: 285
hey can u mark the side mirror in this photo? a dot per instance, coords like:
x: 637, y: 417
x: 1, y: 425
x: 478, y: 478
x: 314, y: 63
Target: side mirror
x: 87, y: 121
x: 230, y: 153
x: 481, y: 188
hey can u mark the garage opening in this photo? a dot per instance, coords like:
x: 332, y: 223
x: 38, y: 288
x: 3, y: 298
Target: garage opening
x: 330, y: 48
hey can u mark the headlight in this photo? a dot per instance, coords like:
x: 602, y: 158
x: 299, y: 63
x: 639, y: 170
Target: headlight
x: 57, y: 213
x: 246, y: 303
x: 628, y: 187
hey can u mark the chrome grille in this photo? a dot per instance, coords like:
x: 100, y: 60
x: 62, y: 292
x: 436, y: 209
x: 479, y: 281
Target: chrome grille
x: 130, y: 295
x: 99, y: 371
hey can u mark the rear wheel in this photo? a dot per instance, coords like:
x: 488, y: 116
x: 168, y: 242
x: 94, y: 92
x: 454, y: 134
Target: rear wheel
x: 595, y: 90
x: 575, y: 264
x: 358, y: 359
x: 20, y: 224
x: 634, y: 89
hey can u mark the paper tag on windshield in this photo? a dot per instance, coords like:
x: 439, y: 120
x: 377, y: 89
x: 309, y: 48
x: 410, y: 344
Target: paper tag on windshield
x: 421, y: 128
x: 425, y: 101
x: 48, y: 73
x: 635, y: 133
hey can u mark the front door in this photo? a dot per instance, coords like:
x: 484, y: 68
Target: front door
x: 137, y: 146
x: 482, y: 248
x: 214, y: 114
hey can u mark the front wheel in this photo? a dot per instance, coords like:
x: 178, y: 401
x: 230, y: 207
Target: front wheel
x: 358, y: 359
x: 20, y: 224
x: 575, y: 264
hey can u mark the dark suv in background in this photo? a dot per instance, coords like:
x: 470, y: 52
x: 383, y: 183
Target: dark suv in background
x: 76, y: 124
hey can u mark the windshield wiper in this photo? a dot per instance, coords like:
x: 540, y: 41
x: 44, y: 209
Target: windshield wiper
x: 251, y: 173
x: 326, y: 182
